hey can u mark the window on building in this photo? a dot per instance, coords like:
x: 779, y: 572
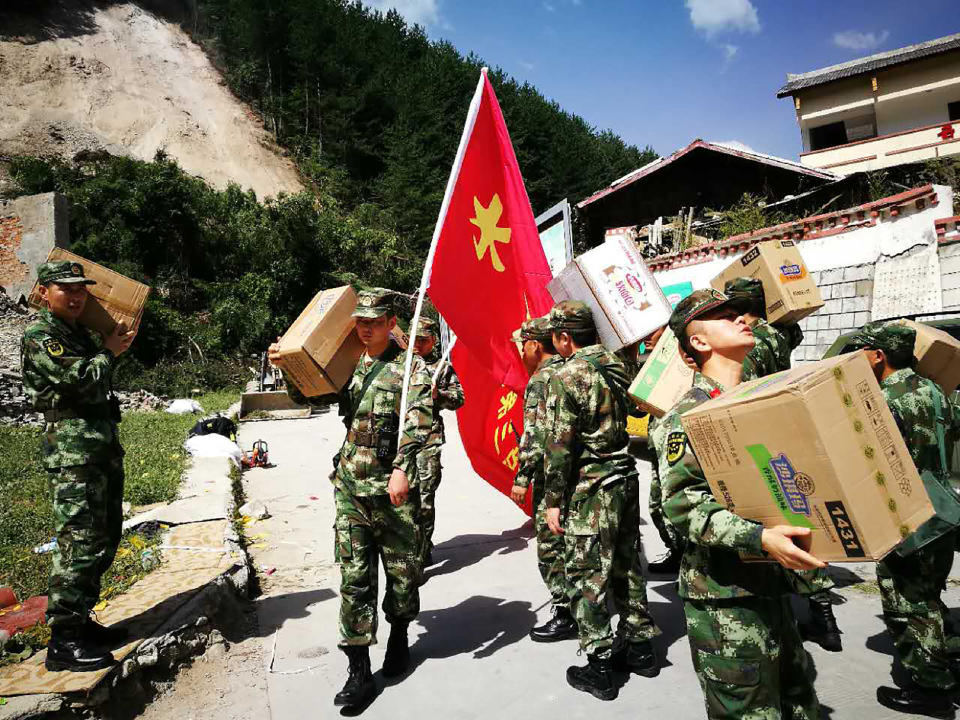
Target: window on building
x: 953, y: 110
x: 828, y: 135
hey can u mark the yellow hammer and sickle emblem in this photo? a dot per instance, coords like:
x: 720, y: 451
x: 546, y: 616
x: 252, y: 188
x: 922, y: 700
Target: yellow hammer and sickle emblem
x: 486, y: 218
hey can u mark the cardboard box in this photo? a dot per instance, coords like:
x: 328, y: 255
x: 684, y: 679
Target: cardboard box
x: 626, y: 301
x: 663, y: 379
x: 114, y: 299
x: 817, y: 447
x: 937, y: 354
x: 319, y: 352
x: 789, y: 290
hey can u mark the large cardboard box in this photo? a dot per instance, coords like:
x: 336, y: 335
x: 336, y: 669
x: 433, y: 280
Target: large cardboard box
x: 663, y: 379
x: 626, y: 301
x: 113, y: 300
x: 937, y: 354
x: 817, y: 447
x: 320, y: 350
x: 789, y: 290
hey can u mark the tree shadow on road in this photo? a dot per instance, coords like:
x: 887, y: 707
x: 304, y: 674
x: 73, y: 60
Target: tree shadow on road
x: 465, y: 550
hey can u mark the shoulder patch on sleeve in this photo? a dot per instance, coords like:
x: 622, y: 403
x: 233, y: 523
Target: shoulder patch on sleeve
x: 53, y: 347
x: 676, y: 446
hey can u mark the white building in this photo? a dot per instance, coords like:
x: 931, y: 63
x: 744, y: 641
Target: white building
x: 888, y: 109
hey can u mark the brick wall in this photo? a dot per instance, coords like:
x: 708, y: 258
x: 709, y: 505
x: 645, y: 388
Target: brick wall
x: 847, y: 293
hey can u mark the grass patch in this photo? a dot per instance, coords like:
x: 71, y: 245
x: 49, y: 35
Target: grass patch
x: 868, y: 587
x: 153, y: 465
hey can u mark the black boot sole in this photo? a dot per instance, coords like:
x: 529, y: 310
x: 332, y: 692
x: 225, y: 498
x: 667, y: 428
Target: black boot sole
x: 63, y: 666
x: 650, y: 672
x: 610, y: 694
x: 557, y: 637
x: 942, y: 714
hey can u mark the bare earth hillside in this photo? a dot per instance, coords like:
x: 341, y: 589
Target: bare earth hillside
x: 131, y: 83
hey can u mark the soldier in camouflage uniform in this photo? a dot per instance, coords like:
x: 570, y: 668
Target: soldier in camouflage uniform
x: 542, y: 361
x: 773, y: 346
x: 910, y: 586
x: 67, y: 371
x: 447, y: 394
x: 744, y: 640
x: 376, y: 506
x: 589, y: 472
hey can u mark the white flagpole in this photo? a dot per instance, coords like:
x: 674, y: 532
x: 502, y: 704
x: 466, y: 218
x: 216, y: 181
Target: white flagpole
x: 444, y: 207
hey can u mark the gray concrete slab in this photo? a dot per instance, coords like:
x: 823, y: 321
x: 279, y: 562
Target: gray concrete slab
x: 470, y: 648
x: 205, y: 494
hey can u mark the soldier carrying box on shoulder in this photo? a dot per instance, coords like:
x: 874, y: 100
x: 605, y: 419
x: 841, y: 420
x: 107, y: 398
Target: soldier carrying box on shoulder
x: 67, y: 375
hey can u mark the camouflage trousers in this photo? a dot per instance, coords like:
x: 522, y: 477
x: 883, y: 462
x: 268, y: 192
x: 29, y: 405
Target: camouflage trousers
x: 910, y: 590
x: 609, y: 562
x: 750, y: 660
x: 550, y: 552
x: 88, y: 518
x: 368, y: 529
x: 815, y: 584
x: 671, y: 538
x: 428, y: 480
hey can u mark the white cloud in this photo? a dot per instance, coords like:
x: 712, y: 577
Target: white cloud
x: 715, y: 16
x: 856, y: 40
x: 422, y: 12
x: 735, y: 145
x: 549, y: 7
x: 730, y: 52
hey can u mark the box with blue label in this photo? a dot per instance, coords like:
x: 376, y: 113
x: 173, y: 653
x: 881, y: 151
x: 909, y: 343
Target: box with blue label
x: 789, y: 291
x: 816, y: 447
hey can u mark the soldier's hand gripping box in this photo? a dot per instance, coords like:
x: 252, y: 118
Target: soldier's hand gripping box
x: 815, y: 447
x: 612, y: 279
x: 114, y: 300
x: 320, y: 349
x: 788, y: 289
x: 663, y: 379
x: 937, y: 354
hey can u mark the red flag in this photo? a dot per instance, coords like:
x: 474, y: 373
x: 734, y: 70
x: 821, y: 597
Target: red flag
x: 490, y: 423
x: 488, y: 272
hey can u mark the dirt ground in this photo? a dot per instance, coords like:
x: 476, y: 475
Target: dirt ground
x: 119, y: 78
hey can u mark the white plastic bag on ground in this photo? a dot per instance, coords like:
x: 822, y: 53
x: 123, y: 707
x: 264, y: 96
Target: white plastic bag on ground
x: 213, y: 445
x: 184, y: 406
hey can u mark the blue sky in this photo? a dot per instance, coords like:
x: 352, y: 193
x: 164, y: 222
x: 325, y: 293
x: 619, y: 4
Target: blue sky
x: 663, y: 72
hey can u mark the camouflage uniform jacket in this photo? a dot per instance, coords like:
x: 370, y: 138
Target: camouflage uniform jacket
x: 67, y: 369
x: 376, y: 413
x: 771, y: 351
x: 532, y: 444
x: 587, y: 439
x: 716, y: 539
x: 911, y: 400
x: 449, y: 397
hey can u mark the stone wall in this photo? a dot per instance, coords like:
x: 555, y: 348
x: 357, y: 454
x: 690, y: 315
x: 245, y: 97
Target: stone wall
x: 30, y: 227
x: 847, y: 294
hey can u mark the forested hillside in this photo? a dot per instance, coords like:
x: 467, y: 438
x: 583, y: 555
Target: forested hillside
x: 373, y: 110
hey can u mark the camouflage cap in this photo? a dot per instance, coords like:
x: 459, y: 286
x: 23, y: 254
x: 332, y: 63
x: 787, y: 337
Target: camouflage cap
x: 894, y: 339
x: 537, y: 328
x: 426, y: 327
x: 375, y: 303
x: 571, y: 315
x: 693, y: 306
x: 63, y: 272
x: 744, y: 288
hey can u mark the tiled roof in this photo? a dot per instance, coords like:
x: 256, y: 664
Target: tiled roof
x: 817, y: 226
x: 869, y: 64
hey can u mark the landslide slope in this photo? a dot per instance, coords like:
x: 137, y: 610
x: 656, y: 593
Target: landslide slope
x: 118, y: 78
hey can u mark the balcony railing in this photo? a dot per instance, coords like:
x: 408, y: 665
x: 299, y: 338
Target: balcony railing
x: 885, y: 150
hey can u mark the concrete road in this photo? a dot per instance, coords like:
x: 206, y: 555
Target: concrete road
x: 471, y: 653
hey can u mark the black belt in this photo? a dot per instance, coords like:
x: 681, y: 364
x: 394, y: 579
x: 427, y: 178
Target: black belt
x: 364, y: 439
x: 86, y: 412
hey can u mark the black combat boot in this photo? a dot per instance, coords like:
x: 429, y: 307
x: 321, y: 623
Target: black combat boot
x: 918, y: 701
x: 360, y: 688
x: 107, y: 637
x: 68, y: 649
x: 397, y: 659
x: 823, y: 628
x: 561, y: 626
x: 669, y: 564
x: 596, y: 677
x: 636, y: 657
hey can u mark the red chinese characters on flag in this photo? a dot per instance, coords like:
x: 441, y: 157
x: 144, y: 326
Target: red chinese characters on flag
x: 488, y: 271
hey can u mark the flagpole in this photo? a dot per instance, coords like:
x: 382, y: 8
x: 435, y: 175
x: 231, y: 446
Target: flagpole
x: 444, y: 207
x: 443, y: 360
